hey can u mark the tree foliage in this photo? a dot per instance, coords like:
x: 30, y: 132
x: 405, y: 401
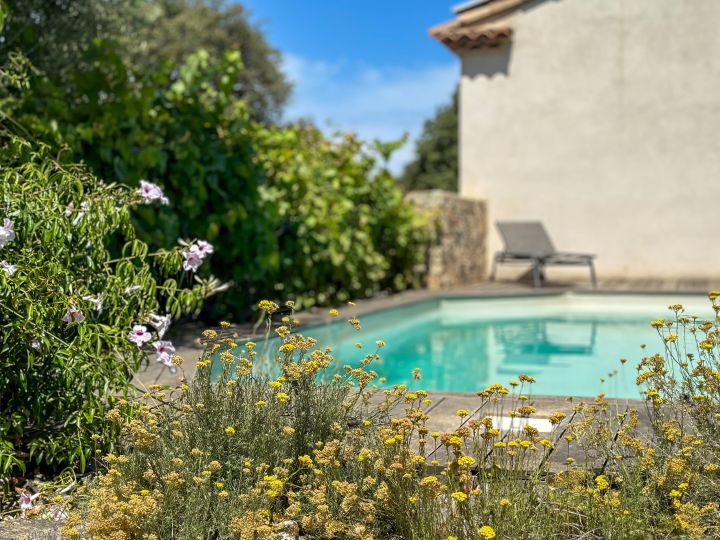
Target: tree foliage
x: 314, y: 218
x: 436, y: 163
x: 288, y: 209
x: 56, y: 35
x: 175, y: 29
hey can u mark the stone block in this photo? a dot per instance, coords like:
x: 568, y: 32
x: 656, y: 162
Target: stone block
x: 457, y: 254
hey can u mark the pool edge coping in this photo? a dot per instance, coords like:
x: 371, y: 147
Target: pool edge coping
x: 375, y: 305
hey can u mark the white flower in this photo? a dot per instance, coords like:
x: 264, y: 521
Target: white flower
x: 84, y: 207
x: 151, y: 192
x: 202, y: 248
x: 69, y: 209
x: 10, y: 269
x: 96, y: 301
x: 72, y: 315
x: 164, y: 352
x: 132, y: 289
x: 35, y: 343
x: 26, y: 500
x: 161, y: 324
x: 139, y: 335
x: 192, y: 261
x: 7, y: 232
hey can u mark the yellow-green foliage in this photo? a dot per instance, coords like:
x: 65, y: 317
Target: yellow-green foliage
x: 346, y: 231
x: 317, y: 445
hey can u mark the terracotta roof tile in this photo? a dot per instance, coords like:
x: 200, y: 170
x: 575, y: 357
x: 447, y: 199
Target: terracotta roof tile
x: 478, y: 26
x: 469, y: 37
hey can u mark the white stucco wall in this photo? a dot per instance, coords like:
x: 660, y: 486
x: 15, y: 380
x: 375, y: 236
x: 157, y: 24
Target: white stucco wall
x: 602, y: 119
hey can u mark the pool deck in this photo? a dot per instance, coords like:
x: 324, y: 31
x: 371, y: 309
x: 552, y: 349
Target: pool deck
x: 443, y: 418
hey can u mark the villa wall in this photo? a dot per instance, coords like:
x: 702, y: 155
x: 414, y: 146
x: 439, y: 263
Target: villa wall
x: 457, y: 255
x: 601, y: 119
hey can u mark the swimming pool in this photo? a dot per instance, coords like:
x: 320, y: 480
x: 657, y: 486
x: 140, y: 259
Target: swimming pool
x: 569, y: 342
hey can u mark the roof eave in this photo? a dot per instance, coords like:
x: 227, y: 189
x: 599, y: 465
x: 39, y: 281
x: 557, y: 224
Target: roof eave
x: 471, y: 30
x: 464, y: 40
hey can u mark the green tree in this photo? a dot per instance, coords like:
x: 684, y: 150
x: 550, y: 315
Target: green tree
x: 56, y: 35
x: 436, y: 163
x: 174, y: 29
x: 182, y: 127
x: 344, y: 229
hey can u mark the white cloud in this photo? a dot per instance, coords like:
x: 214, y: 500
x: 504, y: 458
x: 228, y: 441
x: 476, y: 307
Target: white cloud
x: 375, y: 103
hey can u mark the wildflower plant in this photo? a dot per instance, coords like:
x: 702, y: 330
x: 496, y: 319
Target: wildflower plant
x: 682, y: 390
x: 321, y: 448
x: 82, y: 303
x: 228, y: 454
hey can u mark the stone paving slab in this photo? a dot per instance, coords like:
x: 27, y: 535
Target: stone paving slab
x: 31, y: 529
x: 443, y: 418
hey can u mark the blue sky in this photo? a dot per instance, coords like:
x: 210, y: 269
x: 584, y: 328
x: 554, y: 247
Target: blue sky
x: 367, y: 66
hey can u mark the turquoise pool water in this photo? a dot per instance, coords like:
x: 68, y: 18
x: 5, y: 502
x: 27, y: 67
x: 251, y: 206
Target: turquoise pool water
x: 568, y: 342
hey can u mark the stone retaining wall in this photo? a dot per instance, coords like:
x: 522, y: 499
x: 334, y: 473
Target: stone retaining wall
x: 458, y: 253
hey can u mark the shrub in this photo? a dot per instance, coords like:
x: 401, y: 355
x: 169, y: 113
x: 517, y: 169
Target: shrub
x: 181, y: 127
x: 239, y: 457
x: 67, y: 305
x: 344, y: 229
x: 273, y: 199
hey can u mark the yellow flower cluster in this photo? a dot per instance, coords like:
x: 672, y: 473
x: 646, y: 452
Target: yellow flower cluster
x: 268, y: 307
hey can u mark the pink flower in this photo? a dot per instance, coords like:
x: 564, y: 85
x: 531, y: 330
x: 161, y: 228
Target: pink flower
x: 10, y: 269
x: 7, y: 232
x: 73, y: 315
x: 139, y: 335
x: 196, y: 253
x: 26, y: 500
x: 151, y: 192
x: 161, y: 324
x: 202, y: 248
x: 57, y: 513
x: 192, y: 261
x: 164, y: 352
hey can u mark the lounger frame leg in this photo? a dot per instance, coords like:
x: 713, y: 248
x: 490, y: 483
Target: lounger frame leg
x: 593, y: 277
x: 537, y: 282
x: 493, y: 269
